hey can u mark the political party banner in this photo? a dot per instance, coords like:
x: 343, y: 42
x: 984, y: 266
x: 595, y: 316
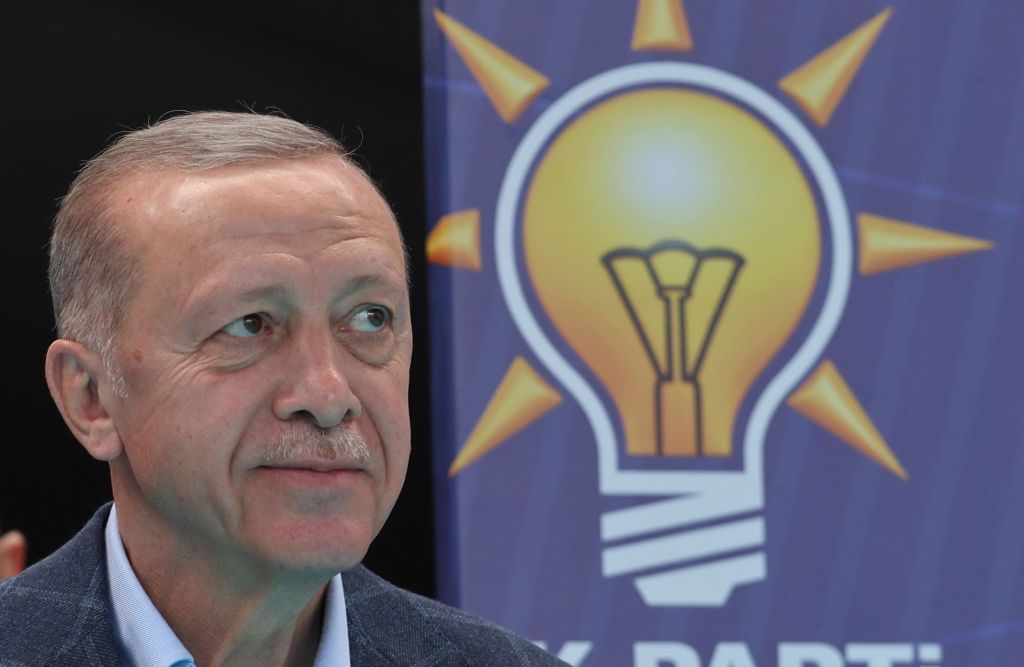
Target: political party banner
x: 726, y: 327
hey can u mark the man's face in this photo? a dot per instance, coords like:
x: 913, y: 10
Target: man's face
x: 272, y: 310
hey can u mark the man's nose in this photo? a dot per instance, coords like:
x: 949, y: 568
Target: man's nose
x: 318, y: 387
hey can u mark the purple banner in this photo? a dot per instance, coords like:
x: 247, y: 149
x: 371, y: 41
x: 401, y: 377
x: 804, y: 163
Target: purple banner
x: 726, y: 327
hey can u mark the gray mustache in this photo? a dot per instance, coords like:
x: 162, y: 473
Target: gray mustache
x: 306, y: 441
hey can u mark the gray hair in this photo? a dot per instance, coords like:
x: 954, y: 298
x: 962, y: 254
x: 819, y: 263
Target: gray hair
x: 93, y: 273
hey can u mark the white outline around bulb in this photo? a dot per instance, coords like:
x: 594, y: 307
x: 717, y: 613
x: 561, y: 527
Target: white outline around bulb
x: 699, y: 495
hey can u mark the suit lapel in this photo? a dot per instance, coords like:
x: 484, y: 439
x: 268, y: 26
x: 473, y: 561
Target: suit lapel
x: 385, y: 627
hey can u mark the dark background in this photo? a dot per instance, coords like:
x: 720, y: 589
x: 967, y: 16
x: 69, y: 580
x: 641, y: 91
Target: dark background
x: 76, y: 73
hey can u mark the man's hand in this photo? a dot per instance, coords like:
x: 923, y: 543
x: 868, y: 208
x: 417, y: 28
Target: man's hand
x: 12, y: 554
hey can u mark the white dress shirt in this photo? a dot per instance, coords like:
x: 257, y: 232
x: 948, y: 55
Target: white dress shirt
x: 145, y: 640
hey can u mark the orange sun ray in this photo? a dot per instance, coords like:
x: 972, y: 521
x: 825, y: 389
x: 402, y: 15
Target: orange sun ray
x: 455, y: 241
x: 661, y: 25
x: 818, y: 85
x: 510, y: 84
x: 886, y: 244
x: 521, y: 398
x: 826, y: 399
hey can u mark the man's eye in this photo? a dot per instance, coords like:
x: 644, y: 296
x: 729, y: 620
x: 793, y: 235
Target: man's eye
x: 371, y: 319
x: 246, y: 326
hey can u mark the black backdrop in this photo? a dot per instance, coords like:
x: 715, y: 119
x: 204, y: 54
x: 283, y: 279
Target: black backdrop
x: 76, y: 72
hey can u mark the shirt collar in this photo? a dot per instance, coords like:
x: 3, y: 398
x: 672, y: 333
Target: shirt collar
x: 333, y: 650
x: 144, y: 638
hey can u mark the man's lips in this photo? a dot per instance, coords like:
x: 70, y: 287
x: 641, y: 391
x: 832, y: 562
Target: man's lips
x: 314, y: 465
x: 320, y: 475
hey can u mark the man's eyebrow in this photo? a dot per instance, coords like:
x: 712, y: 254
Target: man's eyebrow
x: 366, y: 282
x: 199, y: 304
x: 211, y: 297
x: 261, y: 293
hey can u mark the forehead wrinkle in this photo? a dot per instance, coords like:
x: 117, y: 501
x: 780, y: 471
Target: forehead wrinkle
x: 248, y: 231
x: 312, y: 242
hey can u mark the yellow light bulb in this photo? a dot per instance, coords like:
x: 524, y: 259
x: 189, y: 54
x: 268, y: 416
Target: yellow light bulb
x: 676, y: 166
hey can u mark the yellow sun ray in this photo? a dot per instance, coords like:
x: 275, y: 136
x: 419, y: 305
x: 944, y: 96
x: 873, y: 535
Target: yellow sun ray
x: 818, y: 85
x: 661, y: 25
x: 826, y: 399
x: 887, y: 244
x: 455, y: 241
x: 510, y: 84
x: 521, y: 398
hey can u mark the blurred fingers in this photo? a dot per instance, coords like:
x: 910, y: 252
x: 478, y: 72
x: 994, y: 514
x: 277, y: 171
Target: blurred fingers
x: 12, y: 554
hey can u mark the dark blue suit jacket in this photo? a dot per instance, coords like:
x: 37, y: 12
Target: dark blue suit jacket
x: 58, y: 613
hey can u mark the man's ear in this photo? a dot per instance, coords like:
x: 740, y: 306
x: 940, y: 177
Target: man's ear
x: 75, y: 375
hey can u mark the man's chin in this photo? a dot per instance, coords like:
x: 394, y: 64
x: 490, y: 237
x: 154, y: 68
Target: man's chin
x: 306, y: 548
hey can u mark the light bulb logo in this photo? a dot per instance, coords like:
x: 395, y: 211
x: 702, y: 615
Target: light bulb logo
x: 674, y: 247
x: 656, y: 187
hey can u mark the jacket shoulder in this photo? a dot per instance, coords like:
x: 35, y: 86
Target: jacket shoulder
x: 398, y: 627
x: 56, y: 611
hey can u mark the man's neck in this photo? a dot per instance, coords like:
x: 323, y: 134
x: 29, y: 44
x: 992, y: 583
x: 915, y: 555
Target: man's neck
x: 226, y: 612
x: 264, y: 627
